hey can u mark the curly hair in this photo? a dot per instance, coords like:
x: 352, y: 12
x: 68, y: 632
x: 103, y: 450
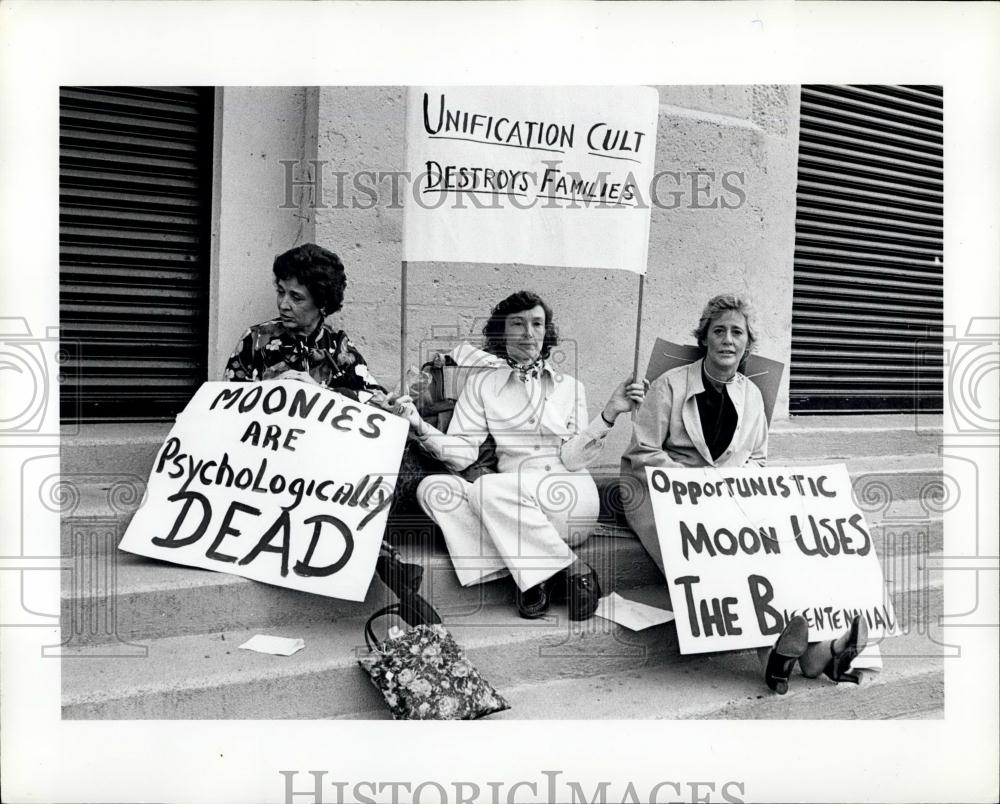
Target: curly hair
x: 722, y: 303
x: 319, y: 270
x: 494, y: 339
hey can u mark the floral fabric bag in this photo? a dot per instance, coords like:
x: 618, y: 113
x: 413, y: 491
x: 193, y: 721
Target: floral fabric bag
x: 424, y: 675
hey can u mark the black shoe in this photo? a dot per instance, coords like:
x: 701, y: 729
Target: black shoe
x: 534, y: 602
x: 837, y: 667
x: 583, y: 592
x: 402, y: 578
x: 414, y: 610
x: 786, y: 652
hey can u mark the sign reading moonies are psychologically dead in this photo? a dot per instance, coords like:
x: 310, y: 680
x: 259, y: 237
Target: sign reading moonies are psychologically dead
x: 279, y: 481
x: 553, y: 176
x: 747, y: 549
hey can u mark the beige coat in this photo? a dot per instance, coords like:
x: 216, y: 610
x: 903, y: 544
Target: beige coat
x: 667, y: 432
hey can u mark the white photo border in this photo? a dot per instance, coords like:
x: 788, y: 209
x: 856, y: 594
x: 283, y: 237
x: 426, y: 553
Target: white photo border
x: 45, y: 45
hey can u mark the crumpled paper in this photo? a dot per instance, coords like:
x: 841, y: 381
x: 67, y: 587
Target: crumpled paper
x: 277, y: 646
x: 631, y: 614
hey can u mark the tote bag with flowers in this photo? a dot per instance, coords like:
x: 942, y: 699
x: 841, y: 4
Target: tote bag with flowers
x: 424, y: 675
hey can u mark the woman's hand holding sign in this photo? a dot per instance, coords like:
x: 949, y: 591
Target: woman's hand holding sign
x: 626, y: 397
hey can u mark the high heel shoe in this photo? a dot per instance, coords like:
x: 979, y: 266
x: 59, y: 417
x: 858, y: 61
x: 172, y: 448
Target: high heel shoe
x: 836, y: 669
x: 415, y: 610
x: 786, y: 652
x: 401, y: 577
x: 404, y: 580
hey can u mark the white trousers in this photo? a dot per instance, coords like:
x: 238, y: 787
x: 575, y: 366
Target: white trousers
x: 521, y: 523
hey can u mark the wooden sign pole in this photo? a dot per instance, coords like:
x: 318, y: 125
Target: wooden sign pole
x: 402, y: 328
x: 638, y: 329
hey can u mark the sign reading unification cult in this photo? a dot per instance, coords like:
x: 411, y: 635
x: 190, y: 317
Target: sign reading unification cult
x: 536, y: 175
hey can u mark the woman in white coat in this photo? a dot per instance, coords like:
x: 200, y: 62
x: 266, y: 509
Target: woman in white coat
x: 525, y: 519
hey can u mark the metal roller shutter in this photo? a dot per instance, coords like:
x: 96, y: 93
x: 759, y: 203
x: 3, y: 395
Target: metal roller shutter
x: 134, y: 233
x: 868, y: 299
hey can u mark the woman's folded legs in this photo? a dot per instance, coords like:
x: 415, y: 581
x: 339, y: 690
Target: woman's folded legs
x: 447, y: 500
x: 521, y: 522
x: 533, y: 518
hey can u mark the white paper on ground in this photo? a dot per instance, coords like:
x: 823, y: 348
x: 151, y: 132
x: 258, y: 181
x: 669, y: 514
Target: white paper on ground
x: 869, y: 659
x: 630, y: 613
x: 277, y: 646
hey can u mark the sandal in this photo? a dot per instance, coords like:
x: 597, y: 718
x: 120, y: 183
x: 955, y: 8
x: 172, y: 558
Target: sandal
x: 786, y: 652
x: 837, y: 668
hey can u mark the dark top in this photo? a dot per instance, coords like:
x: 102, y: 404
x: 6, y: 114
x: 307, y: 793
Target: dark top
x: 328, y: 356
x: 718, y: 417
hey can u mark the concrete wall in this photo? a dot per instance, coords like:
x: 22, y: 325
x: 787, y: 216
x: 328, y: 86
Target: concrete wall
x: 707, y: 234
x: 697, y: 248
x: 693, y: 252
x: 256, y: 128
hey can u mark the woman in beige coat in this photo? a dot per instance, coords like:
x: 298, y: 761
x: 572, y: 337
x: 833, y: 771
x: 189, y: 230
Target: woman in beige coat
x: 708, y: 414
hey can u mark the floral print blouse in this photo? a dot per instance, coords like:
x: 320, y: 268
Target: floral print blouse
x: 327, y: 355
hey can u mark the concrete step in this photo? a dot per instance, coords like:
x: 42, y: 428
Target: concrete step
x: 131, y: 448
x: 884, y: 488
x: 207, y: 676
x: 730, y: 687
x: 145, y: 598
x: 831, y: 439
x: 125, y: 448
x: 119, y: 596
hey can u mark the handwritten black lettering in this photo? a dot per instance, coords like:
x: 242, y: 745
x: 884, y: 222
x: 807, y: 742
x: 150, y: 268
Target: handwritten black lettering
x: 226, y: 529
x: 304, y: 568
x: 769, y: 619
x: 283, y: 526
x: 189, y: 498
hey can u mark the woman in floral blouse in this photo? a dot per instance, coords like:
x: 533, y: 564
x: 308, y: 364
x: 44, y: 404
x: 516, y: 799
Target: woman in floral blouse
x: 300, y: 343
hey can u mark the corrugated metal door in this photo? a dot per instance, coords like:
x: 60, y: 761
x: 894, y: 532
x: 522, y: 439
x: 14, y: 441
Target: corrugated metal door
x: 134, y: 233
x: 868, y: 300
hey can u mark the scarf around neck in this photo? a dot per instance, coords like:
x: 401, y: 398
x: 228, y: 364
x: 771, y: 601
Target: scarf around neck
x: 533, y: 369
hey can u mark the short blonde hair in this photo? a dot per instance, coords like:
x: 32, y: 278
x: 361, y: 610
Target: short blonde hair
x: 722, y: 303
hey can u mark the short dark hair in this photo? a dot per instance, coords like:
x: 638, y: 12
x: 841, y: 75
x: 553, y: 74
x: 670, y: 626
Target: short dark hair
x: 319, y: 270
x: 493, y: 333
x: 722, y: 303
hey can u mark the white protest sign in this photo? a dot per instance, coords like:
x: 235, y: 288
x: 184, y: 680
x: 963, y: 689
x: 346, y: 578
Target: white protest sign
x: 279, y: 481
x: 554, y: 176
x: 747, y: 549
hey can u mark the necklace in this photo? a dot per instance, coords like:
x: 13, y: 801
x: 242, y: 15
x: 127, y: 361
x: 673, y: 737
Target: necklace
x: 716, y: 379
